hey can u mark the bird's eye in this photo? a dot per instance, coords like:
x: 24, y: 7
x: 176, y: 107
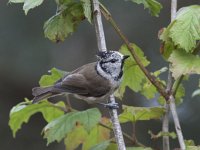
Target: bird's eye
x: 113, y: 60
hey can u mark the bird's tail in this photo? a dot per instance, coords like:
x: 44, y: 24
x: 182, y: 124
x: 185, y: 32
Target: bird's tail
x: 41, y: 93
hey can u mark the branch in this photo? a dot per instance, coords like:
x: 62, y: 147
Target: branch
x: 165, y: 128
x: 165, y: 123
x: 151, y: 78
x: 172, y: 104
x: 102, y: 47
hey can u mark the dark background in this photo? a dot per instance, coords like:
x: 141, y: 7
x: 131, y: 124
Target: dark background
x: 25, y: 55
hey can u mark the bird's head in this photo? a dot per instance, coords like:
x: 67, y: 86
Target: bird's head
x: 111, y: 62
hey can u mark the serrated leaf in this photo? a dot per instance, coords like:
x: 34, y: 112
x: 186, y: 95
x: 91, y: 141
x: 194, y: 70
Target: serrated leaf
x: 184, y: 64
x: 63, y: 24
x: 16, y: 1
x: 76, y: 137
x: 153, y: 6
x: 87, y: 7
x: 30, y: 4
x: 101, y: 146
x: 97, y: 135
x: 55, y: 75
x: 21, y: 113
x: 60, y: 127
x: 133, y: 76
x: 133, y: 114
x: 186, y: 28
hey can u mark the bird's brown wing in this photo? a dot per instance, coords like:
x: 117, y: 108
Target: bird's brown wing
x: 73, y: 83
x: 84, y: 81
x: 96, y: 84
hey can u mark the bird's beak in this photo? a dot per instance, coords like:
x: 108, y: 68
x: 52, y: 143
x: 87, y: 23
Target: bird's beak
x: 125, y: 57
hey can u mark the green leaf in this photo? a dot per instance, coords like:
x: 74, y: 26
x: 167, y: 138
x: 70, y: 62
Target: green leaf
x: 60, y: 127
x: 184, y: 64
x: 76, y: 137
x: 102, y: 146
x: 47, y: 80
x: 148, y: 89
x: 112, y: 146
x: 189, y: 143
x: 21, y: 113
x: 97, y: 135
x: 153, y: 6
x: 167, y: 45
x: 63, y: 24
x: 133, y: 76
x: 186, y: 28
x: 16, y: 1
x: 30, y: 4
x: 133, y: 114
x: 87, y: 7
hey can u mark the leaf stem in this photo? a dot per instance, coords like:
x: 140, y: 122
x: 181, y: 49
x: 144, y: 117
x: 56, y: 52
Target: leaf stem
x: 102, y: 47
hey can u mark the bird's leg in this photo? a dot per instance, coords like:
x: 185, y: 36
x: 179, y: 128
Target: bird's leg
x: 110, y: 105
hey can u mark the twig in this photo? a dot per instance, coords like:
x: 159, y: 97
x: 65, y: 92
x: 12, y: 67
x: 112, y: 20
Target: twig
x: 102, y: 47
x: 176, y: 122
x: 176, y: 85
x: 151, y: 78
x: 116, y: 126
x: 172, y: 104
x: 165, y: 123
x: 165, y: 128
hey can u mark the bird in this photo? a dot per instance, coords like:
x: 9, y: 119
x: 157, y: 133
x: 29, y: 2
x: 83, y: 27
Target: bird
x: 93, y: 82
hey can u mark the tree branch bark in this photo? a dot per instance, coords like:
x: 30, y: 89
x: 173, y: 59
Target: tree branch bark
x: 102, y: 47
x: 165, y: 123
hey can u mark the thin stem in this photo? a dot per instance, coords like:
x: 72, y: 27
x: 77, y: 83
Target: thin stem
x: 101, y: 42
x: 102, y: 47
x: 165, y: 128
x: 177, y: 84
x: 116, y: 126
x: 176, y: 122
x: 173, y: 9
x: 172, y: 104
